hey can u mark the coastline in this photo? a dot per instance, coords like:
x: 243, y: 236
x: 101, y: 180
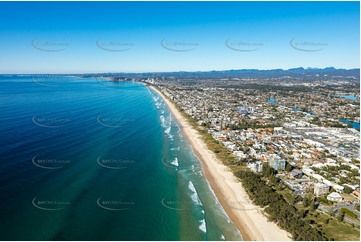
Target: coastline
x: 247, y: 217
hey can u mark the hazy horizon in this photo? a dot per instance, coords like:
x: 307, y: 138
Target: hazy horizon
x: 85, y: 73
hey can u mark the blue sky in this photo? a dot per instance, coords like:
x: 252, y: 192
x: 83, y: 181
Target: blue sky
x: 88, y: 37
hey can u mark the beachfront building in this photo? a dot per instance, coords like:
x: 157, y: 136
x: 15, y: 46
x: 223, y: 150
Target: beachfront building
x: 276, y: 162
x: 255, y: 166
x: 320, y: 189
x: 296, y: 186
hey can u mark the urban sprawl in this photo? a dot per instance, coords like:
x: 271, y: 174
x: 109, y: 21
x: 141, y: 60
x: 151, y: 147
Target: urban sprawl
x: 310, y: 138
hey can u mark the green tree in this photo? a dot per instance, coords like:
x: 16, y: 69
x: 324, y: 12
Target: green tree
x: 341, y: 216
x: 293, y: 200
x: 347, y: 190
x: 267, y: 170
x: 273, y: 179
x: 288, y: 167
x: 306, y: 201
x: 312, y: 205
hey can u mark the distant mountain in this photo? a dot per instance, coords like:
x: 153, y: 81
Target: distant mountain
x: 300, y: 73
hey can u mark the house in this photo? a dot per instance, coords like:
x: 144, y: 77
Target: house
x: 296, y: 173
x: 308, y: 171
x: 277, y: 163
x: 256, y: 167
x: 321, y: 189
x: 334, y: 197
x: 239, y: 154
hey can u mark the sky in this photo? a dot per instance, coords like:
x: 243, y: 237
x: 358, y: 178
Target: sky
x: 91, y: 37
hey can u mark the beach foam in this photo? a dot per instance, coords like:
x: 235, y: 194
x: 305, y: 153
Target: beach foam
x: 167, y: 130
x: 203, y: 226
x: 162, y: 120
x: 175, y: 162
x: 194, y: 196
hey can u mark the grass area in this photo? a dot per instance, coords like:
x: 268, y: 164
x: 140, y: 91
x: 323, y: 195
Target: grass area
x: 348, y: 213
x: 334, y: 229
x: 349, y: 197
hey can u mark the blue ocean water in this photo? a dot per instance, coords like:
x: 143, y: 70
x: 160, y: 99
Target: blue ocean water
x: 89, y: 159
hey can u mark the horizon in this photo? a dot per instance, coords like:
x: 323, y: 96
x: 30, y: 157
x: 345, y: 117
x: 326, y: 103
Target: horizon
x: 128, y: 37
x: 200, y: 71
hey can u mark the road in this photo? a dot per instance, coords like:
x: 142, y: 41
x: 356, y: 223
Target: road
x: 336, y: 209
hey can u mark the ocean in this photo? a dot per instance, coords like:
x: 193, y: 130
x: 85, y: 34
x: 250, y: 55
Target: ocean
x: 89, y: 159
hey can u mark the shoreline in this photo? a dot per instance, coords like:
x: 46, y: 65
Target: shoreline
x: 247, y: 217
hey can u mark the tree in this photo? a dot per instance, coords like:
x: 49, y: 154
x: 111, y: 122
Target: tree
x: 327, y: 220
x: 347, y: 190
x: 312, y: 205
x: 306, y: 201
x: 341, y: 216
x: 315, y: 119
x: 279, y: 211
x: 288, y: 167
x: 267, y: 170
x: 273, y: 179
x: 293, y: 200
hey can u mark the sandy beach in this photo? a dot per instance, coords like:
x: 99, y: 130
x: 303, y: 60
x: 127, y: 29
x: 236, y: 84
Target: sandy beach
x: 228, y: 189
